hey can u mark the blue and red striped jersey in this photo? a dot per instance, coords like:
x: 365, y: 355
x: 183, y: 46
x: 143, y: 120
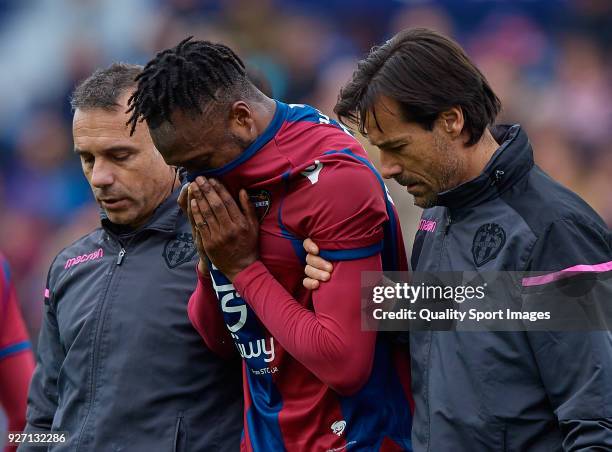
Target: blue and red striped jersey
x: 309, y: 177
x: 13, y: 334
x: 16, y: 358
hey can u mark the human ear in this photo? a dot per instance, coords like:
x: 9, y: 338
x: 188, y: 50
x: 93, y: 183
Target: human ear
x: 452, y: 121
x: 241, y: 121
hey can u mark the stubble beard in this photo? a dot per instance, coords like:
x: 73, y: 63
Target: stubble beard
x: 448, y: 170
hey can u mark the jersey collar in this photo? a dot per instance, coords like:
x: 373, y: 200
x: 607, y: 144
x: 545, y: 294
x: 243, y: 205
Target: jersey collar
x: 277, y: 121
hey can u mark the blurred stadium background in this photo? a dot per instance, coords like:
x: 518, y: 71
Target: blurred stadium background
x: 548, y: 60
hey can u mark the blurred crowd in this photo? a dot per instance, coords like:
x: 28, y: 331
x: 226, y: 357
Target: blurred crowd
x: 549, y: 61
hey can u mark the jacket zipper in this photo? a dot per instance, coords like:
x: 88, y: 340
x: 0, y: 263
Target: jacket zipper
x: 97, y: 333
x: 177, y: 432
x: 120, y: 256
x: 497, y: 177
x: 447, y: 226
x: 449, y: 222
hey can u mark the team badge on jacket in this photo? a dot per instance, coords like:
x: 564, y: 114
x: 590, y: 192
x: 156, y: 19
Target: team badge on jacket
x: 488, y: 242
x: 179, y: 250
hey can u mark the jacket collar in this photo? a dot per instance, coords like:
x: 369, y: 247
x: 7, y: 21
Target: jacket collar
x: 164, y: 217
x: 510, y: 162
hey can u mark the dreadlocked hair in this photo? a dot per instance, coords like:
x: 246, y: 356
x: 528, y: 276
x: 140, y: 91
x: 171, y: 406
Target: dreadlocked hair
x: 184, y: 77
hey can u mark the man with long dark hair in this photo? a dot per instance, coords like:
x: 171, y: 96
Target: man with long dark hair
x: 488, y: 207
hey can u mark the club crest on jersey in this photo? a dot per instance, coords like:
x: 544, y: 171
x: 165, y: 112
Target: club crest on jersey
x: 312, y: 172
x: 179, y: 250
x: 338, y: 427
x: 488, y: 242
x: 262, y: 201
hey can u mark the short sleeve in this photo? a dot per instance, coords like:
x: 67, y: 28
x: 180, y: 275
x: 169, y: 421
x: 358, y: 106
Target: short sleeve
x: 340, y: 203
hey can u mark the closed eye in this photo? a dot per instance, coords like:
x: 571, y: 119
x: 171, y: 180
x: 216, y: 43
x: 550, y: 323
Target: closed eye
x: 395, y: 149
x: 121, y: 157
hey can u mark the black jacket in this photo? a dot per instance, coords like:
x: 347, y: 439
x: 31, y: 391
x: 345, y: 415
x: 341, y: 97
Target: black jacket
x: 512, y: 391
x: 120, y: 367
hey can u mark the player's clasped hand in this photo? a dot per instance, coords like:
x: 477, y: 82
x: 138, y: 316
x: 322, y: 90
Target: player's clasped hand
x: 228, y: 233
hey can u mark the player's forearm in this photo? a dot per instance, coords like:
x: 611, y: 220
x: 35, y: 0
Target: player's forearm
x: 328, y: 342
x: 206, y: 317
